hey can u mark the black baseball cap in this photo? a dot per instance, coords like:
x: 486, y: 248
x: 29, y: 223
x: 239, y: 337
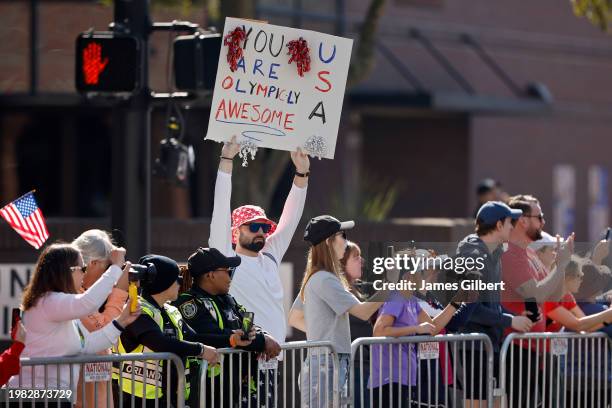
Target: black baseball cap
x: 493, y: 211
x: 324, y: 226
x: 205, y: 260
x: 167, y: 272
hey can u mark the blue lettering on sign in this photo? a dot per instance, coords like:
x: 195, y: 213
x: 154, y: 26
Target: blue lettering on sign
x: 258, y: 63
x: 241, y: 65
x: 272, y: 73
x: 330, y: 59
x: 238, y: 87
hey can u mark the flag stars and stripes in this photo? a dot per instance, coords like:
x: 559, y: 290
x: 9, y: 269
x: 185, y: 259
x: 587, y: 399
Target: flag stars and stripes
x: 24, y: 216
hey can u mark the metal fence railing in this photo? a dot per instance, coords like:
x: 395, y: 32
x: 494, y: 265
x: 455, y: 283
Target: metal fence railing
x: 421, y: 371
x: 304, y: 375
x: 544, y: 370
x: 560, y: 370
x: 53, y: 381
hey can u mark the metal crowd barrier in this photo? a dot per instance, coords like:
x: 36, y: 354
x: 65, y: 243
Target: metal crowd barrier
x: 288, y: 381
x: 440, y: 370
x: 97, y: 370
x: 560, y: 370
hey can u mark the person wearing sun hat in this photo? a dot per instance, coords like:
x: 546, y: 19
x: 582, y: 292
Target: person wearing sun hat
x: 324, y: 303
x: 260, y: 243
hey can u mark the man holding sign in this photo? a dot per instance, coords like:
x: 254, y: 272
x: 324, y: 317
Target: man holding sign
x: 260, y: 243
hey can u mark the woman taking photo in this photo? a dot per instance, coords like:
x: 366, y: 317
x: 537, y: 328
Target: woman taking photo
x: 323, y: 306
x: 96, y: 247
x: 52, y: 307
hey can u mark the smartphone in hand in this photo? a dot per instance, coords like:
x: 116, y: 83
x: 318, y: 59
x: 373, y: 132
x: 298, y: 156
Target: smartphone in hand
x: 531, y: 305
x: 15, y: 319
x: 247, y: 324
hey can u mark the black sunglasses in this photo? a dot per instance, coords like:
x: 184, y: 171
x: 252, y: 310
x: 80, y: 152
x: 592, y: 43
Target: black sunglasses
x: 255, y: 226
x: 230, y: 271
x: 81, y: 268
x: 539, y: 216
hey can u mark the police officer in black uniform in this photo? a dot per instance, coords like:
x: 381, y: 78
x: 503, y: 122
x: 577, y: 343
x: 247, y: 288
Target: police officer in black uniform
x: 209, y: 308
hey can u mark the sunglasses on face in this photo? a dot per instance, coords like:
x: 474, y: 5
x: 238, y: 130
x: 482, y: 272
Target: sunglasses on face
x: 230, y: 271
x: 342, y: 234
x: 255, y: 226
x: 539, y: 216
x: 78, y: 268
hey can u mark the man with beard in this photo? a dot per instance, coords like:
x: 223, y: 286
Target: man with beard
x: 260, y: 243
x: 529, y: 283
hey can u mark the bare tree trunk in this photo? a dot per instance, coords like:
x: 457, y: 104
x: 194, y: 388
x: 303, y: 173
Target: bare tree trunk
x: 12, y: 128
x: 364, y: 58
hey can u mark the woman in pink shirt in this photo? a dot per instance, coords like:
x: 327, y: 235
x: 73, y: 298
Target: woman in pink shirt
x: 52, y: 307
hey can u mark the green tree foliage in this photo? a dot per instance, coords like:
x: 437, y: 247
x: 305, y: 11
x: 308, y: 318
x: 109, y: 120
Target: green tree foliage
x: 597, y: 11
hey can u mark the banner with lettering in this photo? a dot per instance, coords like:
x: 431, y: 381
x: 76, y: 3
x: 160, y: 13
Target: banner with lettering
x: 268, y: 102
x: 13, y: 279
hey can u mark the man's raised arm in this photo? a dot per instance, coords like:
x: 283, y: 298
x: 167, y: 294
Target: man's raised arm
x: 278, y: 242
x: 221, y: 223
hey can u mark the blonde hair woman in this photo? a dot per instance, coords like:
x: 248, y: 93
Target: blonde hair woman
x: 323, y: 305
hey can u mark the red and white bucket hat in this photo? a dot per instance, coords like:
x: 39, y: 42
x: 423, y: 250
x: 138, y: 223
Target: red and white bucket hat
x: 246, y: 214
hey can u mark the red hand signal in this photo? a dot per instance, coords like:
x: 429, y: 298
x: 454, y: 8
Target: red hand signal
x: 93, y: 65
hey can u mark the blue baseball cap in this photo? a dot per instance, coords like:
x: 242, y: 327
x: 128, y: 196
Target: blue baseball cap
x: 493, y: 211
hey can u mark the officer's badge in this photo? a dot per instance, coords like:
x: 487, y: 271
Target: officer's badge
x: 189, y: 309
x: 211, y: 309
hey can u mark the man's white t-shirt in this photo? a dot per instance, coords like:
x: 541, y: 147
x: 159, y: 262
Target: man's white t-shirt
x: 256, y: 284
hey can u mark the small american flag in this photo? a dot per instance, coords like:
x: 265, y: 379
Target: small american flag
x: 26, y: 218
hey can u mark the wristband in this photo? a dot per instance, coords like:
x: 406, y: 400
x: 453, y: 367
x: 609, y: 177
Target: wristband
x: 232, y: 341
x: 455, y: 305
x: 302, y: 174
x: 226, y: 158
x: 118, y: 326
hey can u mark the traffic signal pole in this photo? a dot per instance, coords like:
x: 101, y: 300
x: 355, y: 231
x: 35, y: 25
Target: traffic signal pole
x: 131, y: 141
x: 131, y: 138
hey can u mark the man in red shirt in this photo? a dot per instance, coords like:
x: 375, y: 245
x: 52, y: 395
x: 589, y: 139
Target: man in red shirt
x: 528, y: 281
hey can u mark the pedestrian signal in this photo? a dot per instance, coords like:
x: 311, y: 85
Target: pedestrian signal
x: 106, y: 62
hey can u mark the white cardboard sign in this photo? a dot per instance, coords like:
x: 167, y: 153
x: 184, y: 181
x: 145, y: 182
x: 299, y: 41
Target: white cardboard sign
x: 100, y: 371
x: 265, y: 103
x: 429, y: 350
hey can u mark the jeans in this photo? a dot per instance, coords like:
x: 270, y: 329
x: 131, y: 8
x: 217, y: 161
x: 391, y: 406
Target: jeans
x: 315, y: 371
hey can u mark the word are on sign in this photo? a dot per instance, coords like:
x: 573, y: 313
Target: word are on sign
x: 266, y: 103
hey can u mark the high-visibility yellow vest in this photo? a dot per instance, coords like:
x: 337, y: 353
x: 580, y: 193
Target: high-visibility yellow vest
x: 147, y: 382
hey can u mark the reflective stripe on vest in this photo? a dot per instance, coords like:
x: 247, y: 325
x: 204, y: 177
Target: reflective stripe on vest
x: 215, y: 370
x: 149, y: 372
